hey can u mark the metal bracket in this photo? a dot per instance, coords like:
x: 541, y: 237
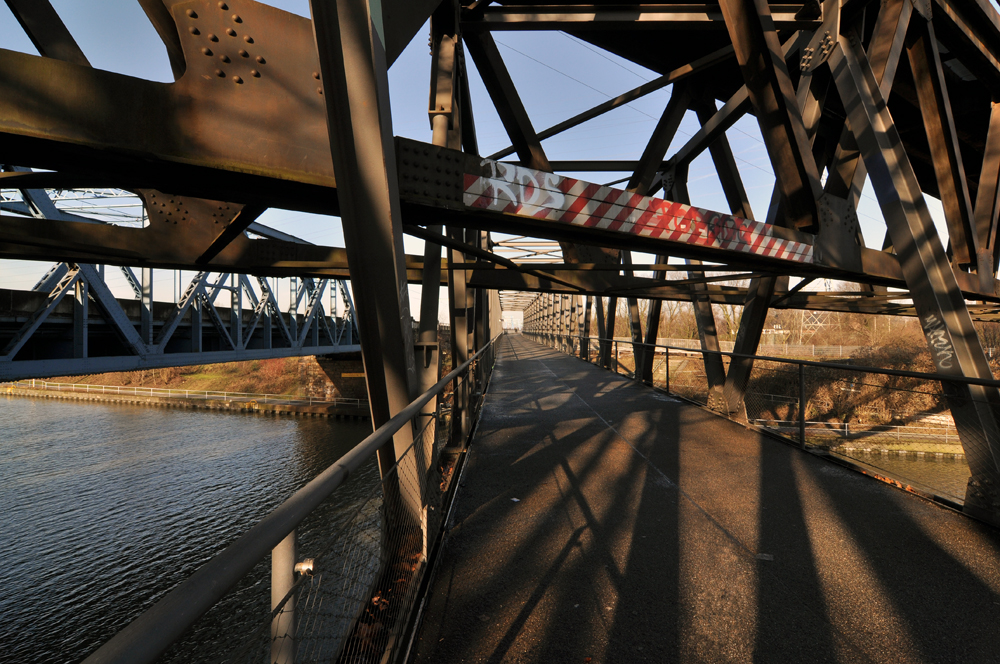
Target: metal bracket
x: 923, y: 8
x: 430, y: 174
x: 836, y: 243
x: 824, y: 39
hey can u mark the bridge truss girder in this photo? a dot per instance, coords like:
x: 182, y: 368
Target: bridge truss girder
x: 43, y: 336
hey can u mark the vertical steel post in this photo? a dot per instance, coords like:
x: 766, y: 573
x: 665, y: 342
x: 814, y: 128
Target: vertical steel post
x: 81, y: 311
x: 355, y: 87
x: 609, y: 323
x: 564, y: 321
x: 293, y: 307
x: 634, y: 321
x: 146, y: 307
x: 554, y: 311
x: 747, y: 339
x: 473, y: 238
x: 601, y: 330
x: 196, y: 325
x: 585, y: 335
x: 666, y: 371
x: 554, y: 321
x: 267, y: 329
x: 704, y: 315
x: 446, y: 131
x: 459, y: 315
x: 236, y: 311
x: 547, y: 319
x: 652, y: 330
x: 802, y: 406
x: 283, y: 559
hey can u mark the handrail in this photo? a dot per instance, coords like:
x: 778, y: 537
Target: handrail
x: 808, y: 363
x: 149, y: 635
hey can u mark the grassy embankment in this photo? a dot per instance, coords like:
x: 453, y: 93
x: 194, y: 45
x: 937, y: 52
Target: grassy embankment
x: 891, y: 412
x: 275, y: 376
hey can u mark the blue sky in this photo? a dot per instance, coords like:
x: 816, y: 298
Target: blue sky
x: 557, y: 76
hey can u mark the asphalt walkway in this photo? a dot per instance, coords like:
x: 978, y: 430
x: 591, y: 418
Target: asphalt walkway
x: 599, y: 521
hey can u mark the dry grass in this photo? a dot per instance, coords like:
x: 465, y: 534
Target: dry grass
x: 275, y: 376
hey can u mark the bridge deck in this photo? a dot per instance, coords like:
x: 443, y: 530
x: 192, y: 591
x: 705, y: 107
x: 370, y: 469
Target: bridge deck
x: 648, y: 530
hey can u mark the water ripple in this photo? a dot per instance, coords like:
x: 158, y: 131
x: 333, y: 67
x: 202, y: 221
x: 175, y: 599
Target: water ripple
x: 105, y: 507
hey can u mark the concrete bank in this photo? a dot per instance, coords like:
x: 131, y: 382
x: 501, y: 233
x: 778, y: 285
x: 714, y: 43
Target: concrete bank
x: 599, y: 521
x: 231, y: 405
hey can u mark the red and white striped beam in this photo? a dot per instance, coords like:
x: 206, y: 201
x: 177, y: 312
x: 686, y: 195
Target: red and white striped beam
x: 525, y: 192
x: 438, y: 177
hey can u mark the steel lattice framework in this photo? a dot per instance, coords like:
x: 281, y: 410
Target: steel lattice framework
x: 269, y: 109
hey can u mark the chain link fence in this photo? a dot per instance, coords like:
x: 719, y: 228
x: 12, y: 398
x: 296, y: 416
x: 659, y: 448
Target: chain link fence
x: 351, y: 602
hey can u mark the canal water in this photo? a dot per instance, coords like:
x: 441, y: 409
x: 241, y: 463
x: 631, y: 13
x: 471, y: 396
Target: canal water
x: 105, y: 507
x: 946, y: 477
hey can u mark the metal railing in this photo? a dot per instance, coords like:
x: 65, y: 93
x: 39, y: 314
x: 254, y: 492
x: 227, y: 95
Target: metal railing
x: 795, y: 350
x: 852, y: 411
x: 866, y: 433
x: 351, y: 598
x: 170, y: 393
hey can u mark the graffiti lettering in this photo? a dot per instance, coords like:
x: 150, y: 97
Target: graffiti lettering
x: 520, y: 186
x: 939, y: 341
x: 557, y: 199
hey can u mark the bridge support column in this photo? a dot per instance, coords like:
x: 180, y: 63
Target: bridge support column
x: 556, y: 320
x: 940, y: 305
x: 546, y: 321
x: 574, y: 323
x: 236, y: 311
x: 610, y: 321
x: 81, y: 311
x: 652, y: 328
x: 704, y: 315
x: 458, y: 297
x: 739, y: 205
x: 564, y: 305
x: 267, y: 328
x: 602, y: 331
x: 196, y: 325
x: 585, y: 331
x: 634, y: 320
x: 293, y: 307
x: 715, y: 371
x: 446, y: 127
x: 356, y: 92
x: 146, y: 307
x: 751, y: 325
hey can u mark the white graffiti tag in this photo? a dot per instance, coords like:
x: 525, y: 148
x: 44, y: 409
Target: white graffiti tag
x: 940, y: 342
x: 521, y: 186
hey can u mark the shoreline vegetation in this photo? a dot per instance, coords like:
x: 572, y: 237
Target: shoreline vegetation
x: 264, y: 386
x: 275, y: 376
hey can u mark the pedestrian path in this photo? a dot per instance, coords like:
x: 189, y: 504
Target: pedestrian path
x: 600, y: 521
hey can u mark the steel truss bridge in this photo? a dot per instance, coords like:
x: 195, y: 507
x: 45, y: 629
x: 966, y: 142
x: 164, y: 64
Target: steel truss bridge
x: 269, y: 109
x: 71, y: 323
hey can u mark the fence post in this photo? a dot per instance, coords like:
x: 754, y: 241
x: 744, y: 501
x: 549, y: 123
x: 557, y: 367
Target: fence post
x: 666, y: 373
x: 802, y: 406
x: 282, y: 579
x: 617, y: 364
